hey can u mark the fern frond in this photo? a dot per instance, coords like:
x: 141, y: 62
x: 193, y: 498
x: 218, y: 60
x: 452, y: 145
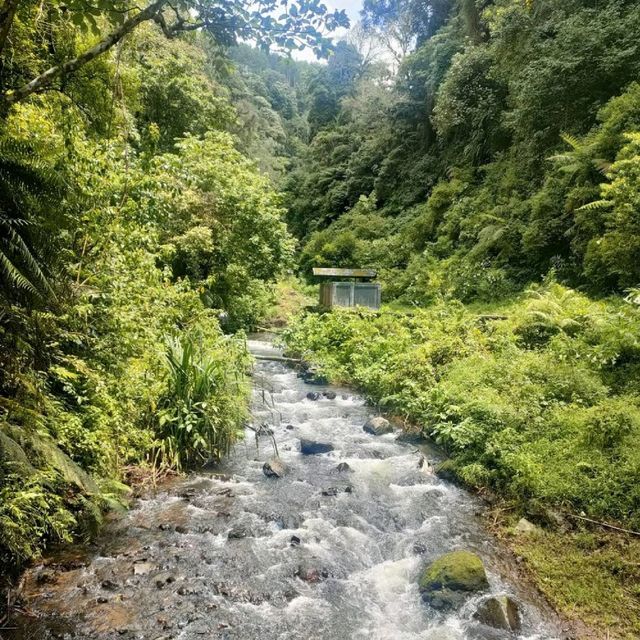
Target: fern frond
x: 596, y: 205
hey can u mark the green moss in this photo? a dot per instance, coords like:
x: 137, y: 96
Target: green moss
x: 590, y: 577
x: 458, y: 571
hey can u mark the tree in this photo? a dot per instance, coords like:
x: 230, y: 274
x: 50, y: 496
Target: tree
x: 301, y: 24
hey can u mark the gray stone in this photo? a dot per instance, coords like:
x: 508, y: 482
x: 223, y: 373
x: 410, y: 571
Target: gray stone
x: 412, y: 437
x: 274, y: 468
x: 239, y: 532
x: 378, y: 426
x: 524, y: 527
x: 500, y: 612
x: 311, y: 447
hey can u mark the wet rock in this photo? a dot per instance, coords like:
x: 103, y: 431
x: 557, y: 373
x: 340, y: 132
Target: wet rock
x: 412, y: 437
x: 330, y: 395
x: 377, y: 426
x: 180, y: 529
x: 334, y: 491
x: 109, y: 585
x: 343, y: 467
x: 239, y: 532
x: 313, y: 395
x: 311, y: 574
x: 313, y: 376
x: 524, y: 527
x: 142, y: 568
x: 500, y: 612
x: 102, y: 600
x: 274, y: 468
x: 447, y: 471
x: 295, y: 541
x: 289, y: 427
x: 311, y: 447
x: 161, y: 580
x: 46, y: 576
x: 447, y: 581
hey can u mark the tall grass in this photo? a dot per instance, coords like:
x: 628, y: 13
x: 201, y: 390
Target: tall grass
x: 204, y: 406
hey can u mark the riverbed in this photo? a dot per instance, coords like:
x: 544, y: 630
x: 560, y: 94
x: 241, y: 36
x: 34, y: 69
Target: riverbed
x: 326, y: 552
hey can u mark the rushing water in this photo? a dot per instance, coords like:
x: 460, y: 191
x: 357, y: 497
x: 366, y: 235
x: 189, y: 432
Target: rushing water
x: 237, y: 555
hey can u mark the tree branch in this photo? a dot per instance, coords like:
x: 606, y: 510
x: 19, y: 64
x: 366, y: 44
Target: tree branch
x: 45, y: 79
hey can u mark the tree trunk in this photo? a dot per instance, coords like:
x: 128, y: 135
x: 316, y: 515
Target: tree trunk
x: 7, y: 14
x: 45, y: 79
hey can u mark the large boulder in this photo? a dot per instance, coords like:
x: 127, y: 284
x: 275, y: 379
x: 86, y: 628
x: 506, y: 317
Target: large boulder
x: 500, y: 612
x: 448, y: 581
x: 274, y: 468
x: 311, y: 447
x: 377, y: 426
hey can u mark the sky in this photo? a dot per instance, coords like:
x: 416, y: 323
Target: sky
x: 352, y: 7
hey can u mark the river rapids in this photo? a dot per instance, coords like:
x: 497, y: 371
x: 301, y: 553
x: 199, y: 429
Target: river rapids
x: 318, y: 554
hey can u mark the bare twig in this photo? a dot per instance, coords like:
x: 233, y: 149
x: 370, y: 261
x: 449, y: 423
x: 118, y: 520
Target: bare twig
x: 604, y: 524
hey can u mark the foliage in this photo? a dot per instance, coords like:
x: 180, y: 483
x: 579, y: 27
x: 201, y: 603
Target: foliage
x: 129, y: 218
x: 542, y: 406
x: 199, y: 418
x: 486, y: 155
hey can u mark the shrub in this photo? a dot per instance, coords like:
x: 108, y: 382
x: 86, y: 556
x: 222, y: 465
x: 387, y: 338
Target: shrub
x: 198, y: 419
x: 524, y: 405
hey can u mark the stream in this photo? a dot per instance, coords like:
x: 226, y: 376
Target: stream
x: 317, y: 554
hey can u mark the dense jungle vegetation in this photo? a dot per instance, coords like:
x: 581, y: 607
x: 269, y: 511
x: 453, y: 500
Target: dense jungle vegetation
x: 482, y: 155
x: 138, y: 239
x: 494, y: 182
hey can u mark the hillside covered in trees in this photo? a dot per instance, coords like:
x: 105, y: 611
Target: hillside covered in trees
x: 484, y: 157
x: 164, y: 166
x: 134, y: 229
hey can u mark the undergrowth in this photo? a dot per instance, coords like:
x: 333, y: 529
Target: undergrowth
x: 542, y: 406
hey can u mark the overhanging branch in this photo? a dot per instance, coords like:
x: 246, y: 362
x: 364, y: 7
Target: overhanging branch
x: 45, y: 79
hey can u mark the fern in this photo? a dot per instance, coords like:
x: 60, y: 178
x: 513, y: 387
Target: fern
x: 27, y: 187
x: 596, y: 205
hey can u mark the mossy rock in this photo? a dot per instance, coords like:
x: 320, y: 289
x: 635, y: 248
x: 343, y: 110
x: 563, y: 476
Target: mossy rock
x: 13, y: 458
x: 48, y: 454
x: 455, y: 571
x: 500, y: 612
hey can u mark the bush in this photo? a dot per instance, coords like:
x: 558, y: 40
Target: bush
x: 525, y: 405
x: 199, y: 417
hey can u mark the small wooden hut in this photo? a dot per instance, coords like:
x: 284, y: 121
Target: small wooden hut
x: 348, y: 288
